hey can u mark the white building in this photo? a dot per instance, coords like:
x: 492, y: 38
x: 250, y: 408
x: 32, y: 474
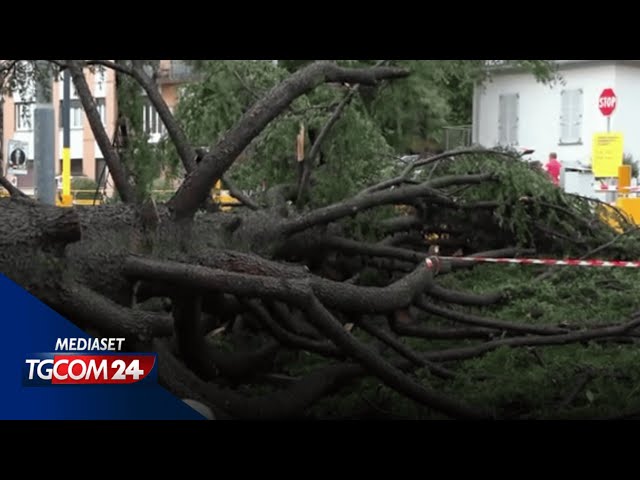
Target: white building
x: 514, y: 109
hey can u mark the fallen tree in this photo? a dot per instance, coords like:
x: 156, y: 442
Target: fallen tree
x: 271, y: 281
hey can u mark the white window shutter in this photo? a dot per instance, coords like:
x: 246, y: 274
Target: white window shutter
x: 508, y: 119
x: 577, y: 120
x: 514, y: 119
x: 571, y: 112
x: 565, y: 116
x: 502, y: 118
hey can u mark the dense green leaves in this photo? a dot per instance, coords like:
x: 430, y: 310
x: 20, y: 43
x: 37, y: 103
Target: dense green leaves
x: 145, y: 161
x: 354, y: 153
x: 395, y: 118
x: 529, y: 203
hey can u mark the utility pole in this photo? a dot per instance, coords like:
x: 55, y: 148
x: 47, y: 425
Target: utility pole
x: 44, y: 141
x: 66, y: 138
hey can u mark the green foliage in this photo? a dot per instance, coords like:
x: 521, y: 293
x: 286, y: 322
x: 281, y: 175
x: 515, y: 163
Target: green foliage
x: 411, y: 111
x: 527, y: 200
x: 627, y: 159
x: 86, y: 184
x: 145, y: 161
x: 83, y: 183
x: 398, y: 116
x: 515, y: 381
x: 574, y: 296
x: 412, y: 108
x: 354, y: 152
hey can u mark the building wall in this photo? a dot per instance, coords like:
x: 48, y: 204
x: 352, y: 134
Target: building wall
x: 82, y: 142
x: 540, y: 108
x: 170, y: 95
x: 83, y: 145
x: 626, y: 117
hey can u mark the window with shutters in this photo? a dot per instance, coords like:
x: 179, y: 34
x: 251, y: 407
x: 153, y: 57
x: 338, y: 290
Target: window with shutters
x: 151, y: 120
x: 508, y: 119
x: 24, y: 116
x: 571, y: 106
x: 75, y: 114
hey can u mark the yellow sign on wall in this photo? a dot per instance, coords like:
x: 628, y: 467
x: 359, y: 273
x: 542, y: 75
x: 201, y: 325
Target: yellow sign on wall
x: 607, y: 154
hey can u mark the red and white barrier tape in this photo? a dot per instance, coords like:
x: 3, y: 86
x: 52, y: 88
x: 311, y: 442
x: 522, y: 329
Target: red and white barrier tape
x: 613, y: 189
x: 545, y: 261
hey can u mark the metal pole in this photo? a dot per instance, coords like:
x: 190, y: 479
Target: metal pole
x: 44, y: 143
x: 66, y: 138
x: 611, y: 196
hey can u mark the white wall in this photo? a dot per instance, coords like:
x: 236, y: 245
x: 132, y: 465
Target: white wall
x: 76, y: 142
x: 539, y: 111
x: 626, y: 117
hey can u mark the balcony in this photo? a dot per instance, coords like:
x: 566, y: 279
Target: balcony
x: 177, y: 72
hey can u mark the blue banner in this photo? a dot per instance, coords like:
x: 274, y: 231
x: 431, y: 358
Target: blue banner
x: 77, y: 376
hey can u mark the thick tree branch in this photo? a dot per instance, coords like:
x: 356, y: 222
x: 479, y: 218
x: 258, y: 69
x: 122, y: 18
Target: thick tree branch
x: 184, y: 148
x: 96, y: 311
x: 237, y: 194
x: 202, y: 356
x: 440, y: 333
x: 345, y: 297
x: 289, y: 403
x: 125, y: 189
x: 404, y: 176
x: 309, y: 160
x: 403, y: 349
x: 118, y: 67
x: 470, y: 319
x: 196, y: 186
x: 375, y: 364
x: 546, y: 340
x: 361, y: 248
x: 353, y: 205
x: 29, y: 224
x: 190, y: 276
x: 293, y: 320
x: 15, y: 192
x: 291, y: 340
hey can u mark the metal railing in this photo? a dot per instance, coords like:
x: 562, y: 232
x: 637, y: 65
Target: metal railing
x: 457, y: 137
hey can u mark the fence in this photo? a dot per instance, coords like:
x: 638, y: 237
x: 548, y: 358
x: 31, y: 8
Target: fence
x: 457, y: 137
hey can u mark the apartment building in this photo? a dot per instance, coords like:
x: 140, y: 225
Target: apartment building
x: 86, y: 157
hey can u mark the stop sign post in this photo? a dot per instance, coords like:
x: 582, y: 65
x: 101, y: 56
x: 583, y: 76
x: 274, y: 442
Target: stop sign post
x: 607, y: 104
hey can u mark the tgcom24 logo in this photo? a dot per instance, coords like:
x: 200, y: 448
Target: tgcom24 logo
x: 74, y: 362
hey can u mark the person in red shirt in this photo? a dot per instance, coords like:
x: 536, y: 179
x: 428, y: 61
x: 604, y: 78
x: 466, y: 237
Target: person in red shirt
x: 553, y: 167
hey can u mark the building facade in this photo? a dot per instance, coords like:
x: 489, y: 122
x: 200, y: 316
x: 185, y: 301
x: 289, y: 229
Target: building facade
x: 86, y: 158
x: 514, y: 109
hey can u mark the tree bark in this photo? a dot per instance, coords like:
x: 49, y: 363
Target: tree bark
x: 185, y: 150
x: 125, y: 189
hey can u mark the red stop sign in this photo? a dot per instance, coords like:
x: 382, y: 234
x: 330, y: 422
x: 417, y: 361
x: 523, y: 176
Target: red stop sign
x: 607, y: 102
